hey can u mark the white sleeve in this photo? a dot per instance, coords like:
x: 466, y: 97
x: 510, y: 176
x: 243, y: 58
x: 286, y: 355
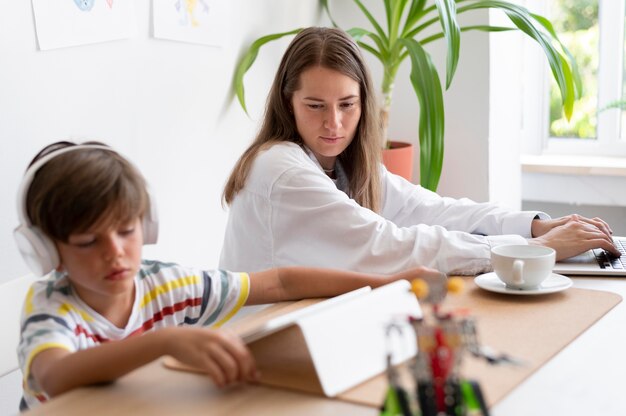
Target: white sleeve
x: 407, y: 204
x: 315, y: 224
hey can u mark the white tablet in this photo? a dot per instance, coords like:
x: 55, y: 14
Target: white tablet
x: 283, y: 321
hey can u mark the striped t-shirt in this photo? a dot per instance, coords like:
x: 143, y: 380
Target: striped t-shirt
x: 166, y: 295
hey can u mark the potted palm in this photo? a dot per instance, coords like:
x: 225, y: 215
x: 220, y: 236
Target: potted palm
x: 401, y: 37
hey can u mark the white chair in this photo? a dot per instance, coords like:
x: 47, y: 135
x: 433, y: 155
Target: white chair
x: 12, y: 296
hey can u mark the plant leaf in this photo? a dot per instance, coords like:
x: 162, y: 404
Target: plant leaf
x: 619, y: 104
x: 371, y: 50
x: 413, y: 32
x: 524, y: 21
x: 416, y: 12
x: 427, y: 86
x: 397, y: 8
x: 447, y: 17
x: 578, y: 82
x: 248, y: 59
x: 357, y: 33
x: 388, y: 12
x: 482, y: 28
x: 372, y: 20
x: 326, y: 8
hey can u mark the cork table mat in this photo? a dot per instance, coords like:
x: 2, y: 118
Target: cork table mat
x: 531, y: 328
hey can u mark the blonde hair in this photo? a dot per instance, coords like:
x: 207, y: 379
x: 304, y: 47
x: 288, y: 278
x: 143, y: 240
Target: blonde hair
x: 333, y: 49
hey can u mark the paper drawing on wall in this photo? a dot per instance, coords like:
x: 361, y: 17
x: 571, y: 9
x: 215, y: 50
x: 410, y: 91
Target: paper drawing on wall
x: 84, y: 5
x: 87, y: 5
x: 193, y: 21
x: 188, y: 9
x: 62, y: 23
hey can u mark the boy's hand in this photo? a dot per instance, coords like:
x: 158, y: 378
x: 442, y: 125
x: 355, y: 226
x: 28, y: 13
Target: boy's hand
x: 220, y: 353
x: 431, y: 276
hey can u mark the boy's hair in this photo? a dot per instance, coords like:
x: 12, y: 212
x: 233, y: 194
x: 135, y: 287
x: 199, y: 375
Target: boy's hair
x: 80, y: 189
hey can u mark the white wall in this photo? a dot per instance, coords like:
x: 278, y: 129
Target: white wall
x: 167, y: 105
x: 505, y: 113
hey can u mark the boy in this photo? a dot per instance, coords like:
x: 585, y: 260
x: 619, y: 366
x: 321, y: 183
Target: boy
x: 85, y: 213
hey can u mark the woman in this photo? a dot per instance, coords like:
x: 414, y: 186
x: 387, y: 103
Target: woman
x: 311, y: 190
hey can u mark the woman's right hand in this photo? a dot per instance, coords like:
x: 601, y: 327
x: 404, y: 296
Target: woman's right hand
x: 575, y: 236
x: 219, y: 353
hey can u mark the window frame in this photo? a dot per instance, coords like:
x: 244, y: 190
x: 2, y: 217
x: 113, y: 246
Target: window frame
x: 608, y: 141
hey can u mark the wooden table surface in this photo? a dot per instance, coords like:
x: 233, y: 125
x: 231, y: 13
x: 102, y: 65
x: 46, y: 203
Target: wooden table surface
x: 155, y: 390
x: 587, y: 377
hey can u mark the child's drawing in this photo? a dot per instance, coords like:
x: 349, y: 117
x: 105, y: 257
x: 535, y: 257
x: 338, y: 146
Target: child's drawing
x: 196, y: 21
x: 84, y: 5
x: 62, y: 23
x: 187, y: 10
x: 87, y: 5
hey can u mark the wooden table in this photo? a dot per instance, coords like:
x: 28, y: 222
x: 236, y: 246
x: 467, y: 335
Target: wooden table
x: 587, y: 377
x: 155, y: 390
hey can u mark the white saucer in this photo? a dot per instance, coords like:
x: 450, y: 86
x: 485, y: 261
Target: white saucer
x: 554, y: 283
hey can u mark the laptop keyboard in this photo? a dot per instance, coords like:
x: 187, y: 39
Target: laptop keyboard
x: 608, y: 261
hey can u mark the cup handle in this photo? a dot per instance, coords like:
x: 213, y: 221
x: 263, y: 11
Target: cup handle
x: 518, y: 267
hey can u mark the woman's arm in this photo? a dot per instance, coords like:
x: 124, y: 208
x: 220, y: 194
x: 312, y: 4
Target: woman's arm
x: 291, y: 213
x: 293, y: 283
x: 222, y: 355
x: 407, y: 204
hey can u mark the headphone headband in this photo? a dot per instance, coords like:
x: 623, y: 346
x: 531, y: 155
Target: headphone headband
x: 37, y: 249
x: 32, y: 170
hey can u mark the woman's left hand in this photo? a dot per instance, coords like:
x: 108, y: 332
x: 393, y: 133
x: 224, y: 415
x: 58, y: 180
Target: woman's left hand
x: 541, y: 227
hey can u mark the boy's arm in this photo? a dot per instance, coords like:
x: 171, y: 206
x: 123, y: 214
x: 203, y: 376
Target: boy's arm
x: 222, y: 355
x: 293, y: 283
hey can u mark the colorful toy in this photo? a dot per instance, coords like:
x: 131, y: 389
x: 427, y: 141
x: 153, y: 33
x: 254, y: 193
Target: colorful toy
x: 442, y: 340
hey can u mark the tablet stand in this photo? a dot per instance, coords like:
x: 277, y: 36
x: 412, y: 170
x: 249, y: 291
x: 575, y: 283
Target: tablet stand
x: 333, y: 349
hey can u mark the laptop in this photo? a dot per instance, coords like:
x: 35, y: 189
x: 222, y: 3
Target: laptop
x: 596, y: 262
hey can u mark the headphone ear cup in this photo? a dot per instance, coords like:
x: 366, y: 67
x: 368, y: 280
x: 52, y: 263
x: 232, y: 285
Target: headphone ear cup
x: 150, y: 230
x: 38, y: 251
x: 150, y: 222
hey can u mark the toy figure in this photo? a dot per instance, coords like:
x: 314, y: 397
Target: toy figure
x: 442, y: 339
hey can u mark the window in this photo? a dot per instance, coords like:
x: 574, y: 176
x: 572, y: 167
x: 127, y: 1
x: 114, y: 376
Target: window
x: 576, y: 21
x: 593, y: 31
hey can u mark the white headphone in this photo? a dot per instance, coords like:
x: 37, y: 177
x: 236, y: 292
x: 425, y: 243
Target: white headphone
x: 36, y: 248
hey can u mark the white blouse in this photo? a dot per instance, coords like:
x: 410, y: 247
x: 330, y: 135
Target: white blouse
x: 291, y: 213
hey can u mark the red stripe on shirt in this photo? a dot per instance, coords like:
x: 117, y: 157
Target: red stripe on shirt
x: 166, y: 311
x: 97, y: 338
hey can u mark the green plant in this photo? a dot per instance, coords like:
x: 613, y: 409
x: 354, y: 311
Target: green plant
x: 619, y: 104
x: 403, y: 38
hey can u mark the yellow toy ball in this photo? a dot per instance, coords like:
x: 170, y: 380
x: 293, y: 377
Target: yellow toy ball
x: 455, y: 285
x: 420, y: 288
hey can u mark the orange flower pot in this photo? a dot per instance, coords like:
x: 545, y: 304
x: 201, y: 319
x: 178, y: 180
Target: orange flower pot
x: 398, y: 159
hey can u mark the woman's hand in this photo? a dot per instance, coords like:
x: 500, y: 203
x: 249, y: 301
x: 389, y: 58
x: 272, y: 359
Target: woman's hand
x: 219, y: 353
x: 572, y: 235
x: 541, y: 227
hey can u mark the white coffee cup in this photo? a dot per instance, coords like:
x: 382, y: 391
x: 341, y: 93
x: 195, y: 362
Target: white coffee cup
x: 523, y: 266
